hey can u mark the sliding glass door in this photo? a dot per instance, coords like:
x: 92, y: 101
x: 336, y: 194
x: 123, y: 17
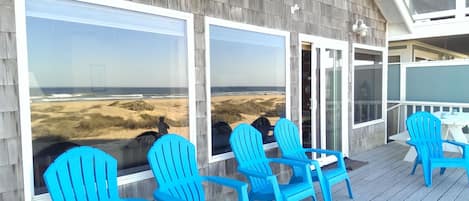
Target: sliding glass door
x: 324, y: 85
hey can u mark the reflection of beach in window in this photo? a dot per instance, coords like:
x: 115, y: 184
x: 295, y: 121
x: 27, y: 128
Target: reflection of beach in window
x: 247, y: 76
x: 117, y: 81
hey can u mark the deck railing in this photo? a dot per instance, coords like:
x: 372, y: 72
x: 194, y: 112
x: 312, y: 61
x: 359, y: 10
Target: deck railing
x: 398, y: 111
x: 367, y: 110
x: 433, y: 82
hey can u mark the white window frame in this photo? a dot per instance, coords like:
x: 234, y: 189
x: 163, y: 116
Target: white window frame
x: 384, y: 84
x: 23, y: 85
x: 245, y: 27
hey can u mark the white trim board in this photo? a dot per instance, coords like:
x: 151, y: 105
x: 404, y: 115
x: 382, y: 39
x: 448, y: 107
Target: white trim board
x: 245, y: 27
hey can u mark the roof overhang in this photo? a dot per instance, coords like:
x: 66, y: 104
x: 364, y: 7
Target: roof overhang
x: 397, y: 15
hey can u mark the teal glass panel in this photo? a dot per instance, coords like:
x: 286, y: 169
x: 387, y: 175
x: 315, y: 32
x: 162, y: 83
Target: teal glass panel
x: 438, y: 83
x: 394, y: 80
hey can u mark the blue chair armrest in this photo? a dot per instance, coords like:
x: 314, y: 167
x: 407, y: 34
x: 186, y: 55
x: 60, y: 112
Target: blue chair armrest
x: 303, y: 166
x: 290, y: 162
x: 254, y: 173
x: 461, y: 144
x: 338, y: 154
x: 464, y: 146
x: 311, y: 162
x: 308, y: 161
x: 161, y: 196
x: 240, y: 187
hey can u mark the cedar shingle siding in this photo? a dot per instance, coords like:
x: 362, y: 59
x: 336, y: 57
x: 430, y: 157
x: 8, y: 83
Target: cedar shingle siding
x: 10, y: 151
x: 326, y: 18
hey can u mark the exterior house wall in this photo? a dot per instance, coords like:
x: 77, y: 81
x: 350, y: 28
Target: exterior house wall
x: 366, y: 138
x: 326, y: 18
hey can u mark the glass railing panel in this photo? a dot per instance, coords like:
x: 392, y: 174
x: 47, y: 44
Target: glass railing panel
x: 394, y: 81
x: 438, y: 83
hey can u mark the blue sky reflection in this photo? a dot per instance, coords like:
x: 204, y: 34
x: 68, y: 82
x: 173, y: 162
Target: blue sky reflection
x: 246, y: 58
x: 69, y: 54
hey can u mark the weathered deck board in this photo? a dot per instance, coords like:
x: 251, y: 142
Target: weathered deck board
x: 386, y: 177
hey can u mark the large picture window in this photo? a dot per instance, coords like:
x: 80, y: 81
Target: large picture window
x: 104, y: 77
x: 368, y: 82
x: 248, y: 70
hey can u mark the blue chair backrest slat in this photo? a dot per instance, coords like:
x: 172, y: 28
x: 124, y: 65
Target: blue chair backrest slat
x: 425, y: 131
x: 82, y: 173
x: 77, y: 178
x: 288, y: 139
x: 89, y: 176
x: 54, y: 185
x: 174, y: 165
x: 65, y: 183
x: 101, y: 178
x: 246, y: 143
x: 111, y: 170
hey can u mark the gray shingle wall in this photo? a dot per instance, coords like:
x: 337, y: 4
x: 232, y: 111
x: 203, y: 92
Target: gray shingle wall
x: 10, y: 152
x: 327, y: 18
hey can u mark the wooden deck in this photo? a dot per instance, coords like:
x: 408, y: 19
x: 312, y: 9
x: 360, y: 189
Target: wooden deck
x: 386, y: 177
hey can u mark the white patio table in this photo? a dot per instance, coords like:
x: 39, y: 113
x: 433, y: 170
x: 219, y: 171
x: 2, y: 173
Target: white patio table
x: 451, y: 126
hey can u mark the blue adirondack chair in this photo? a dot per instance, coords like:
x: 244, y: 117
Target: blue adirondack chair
x: 83, y: 174
x: 246, y: 143
x: 287, y: 136
x: 173, y: 162
x: 425, y: 135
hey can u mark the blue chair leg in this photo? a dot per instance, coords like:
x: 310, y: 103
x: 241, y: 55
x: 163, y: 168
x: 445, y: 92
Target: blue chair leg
x: 349, y: 188
x: 326, y: 191
x: 314, y: 197
x: 429, y: 179
x: 415, y: 166
x: 427, y: 173
x: 442, y: 171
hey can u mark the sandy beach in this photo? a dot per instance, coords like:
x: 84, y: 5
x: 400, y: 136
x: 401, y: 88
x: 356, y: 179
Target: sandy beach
x: 126, y: 119
x: 249, y: 108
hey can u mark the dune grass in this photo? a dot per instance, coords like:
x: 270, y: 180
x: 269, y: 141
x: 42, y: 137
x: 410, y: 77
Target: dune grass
x: 62, y: 120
